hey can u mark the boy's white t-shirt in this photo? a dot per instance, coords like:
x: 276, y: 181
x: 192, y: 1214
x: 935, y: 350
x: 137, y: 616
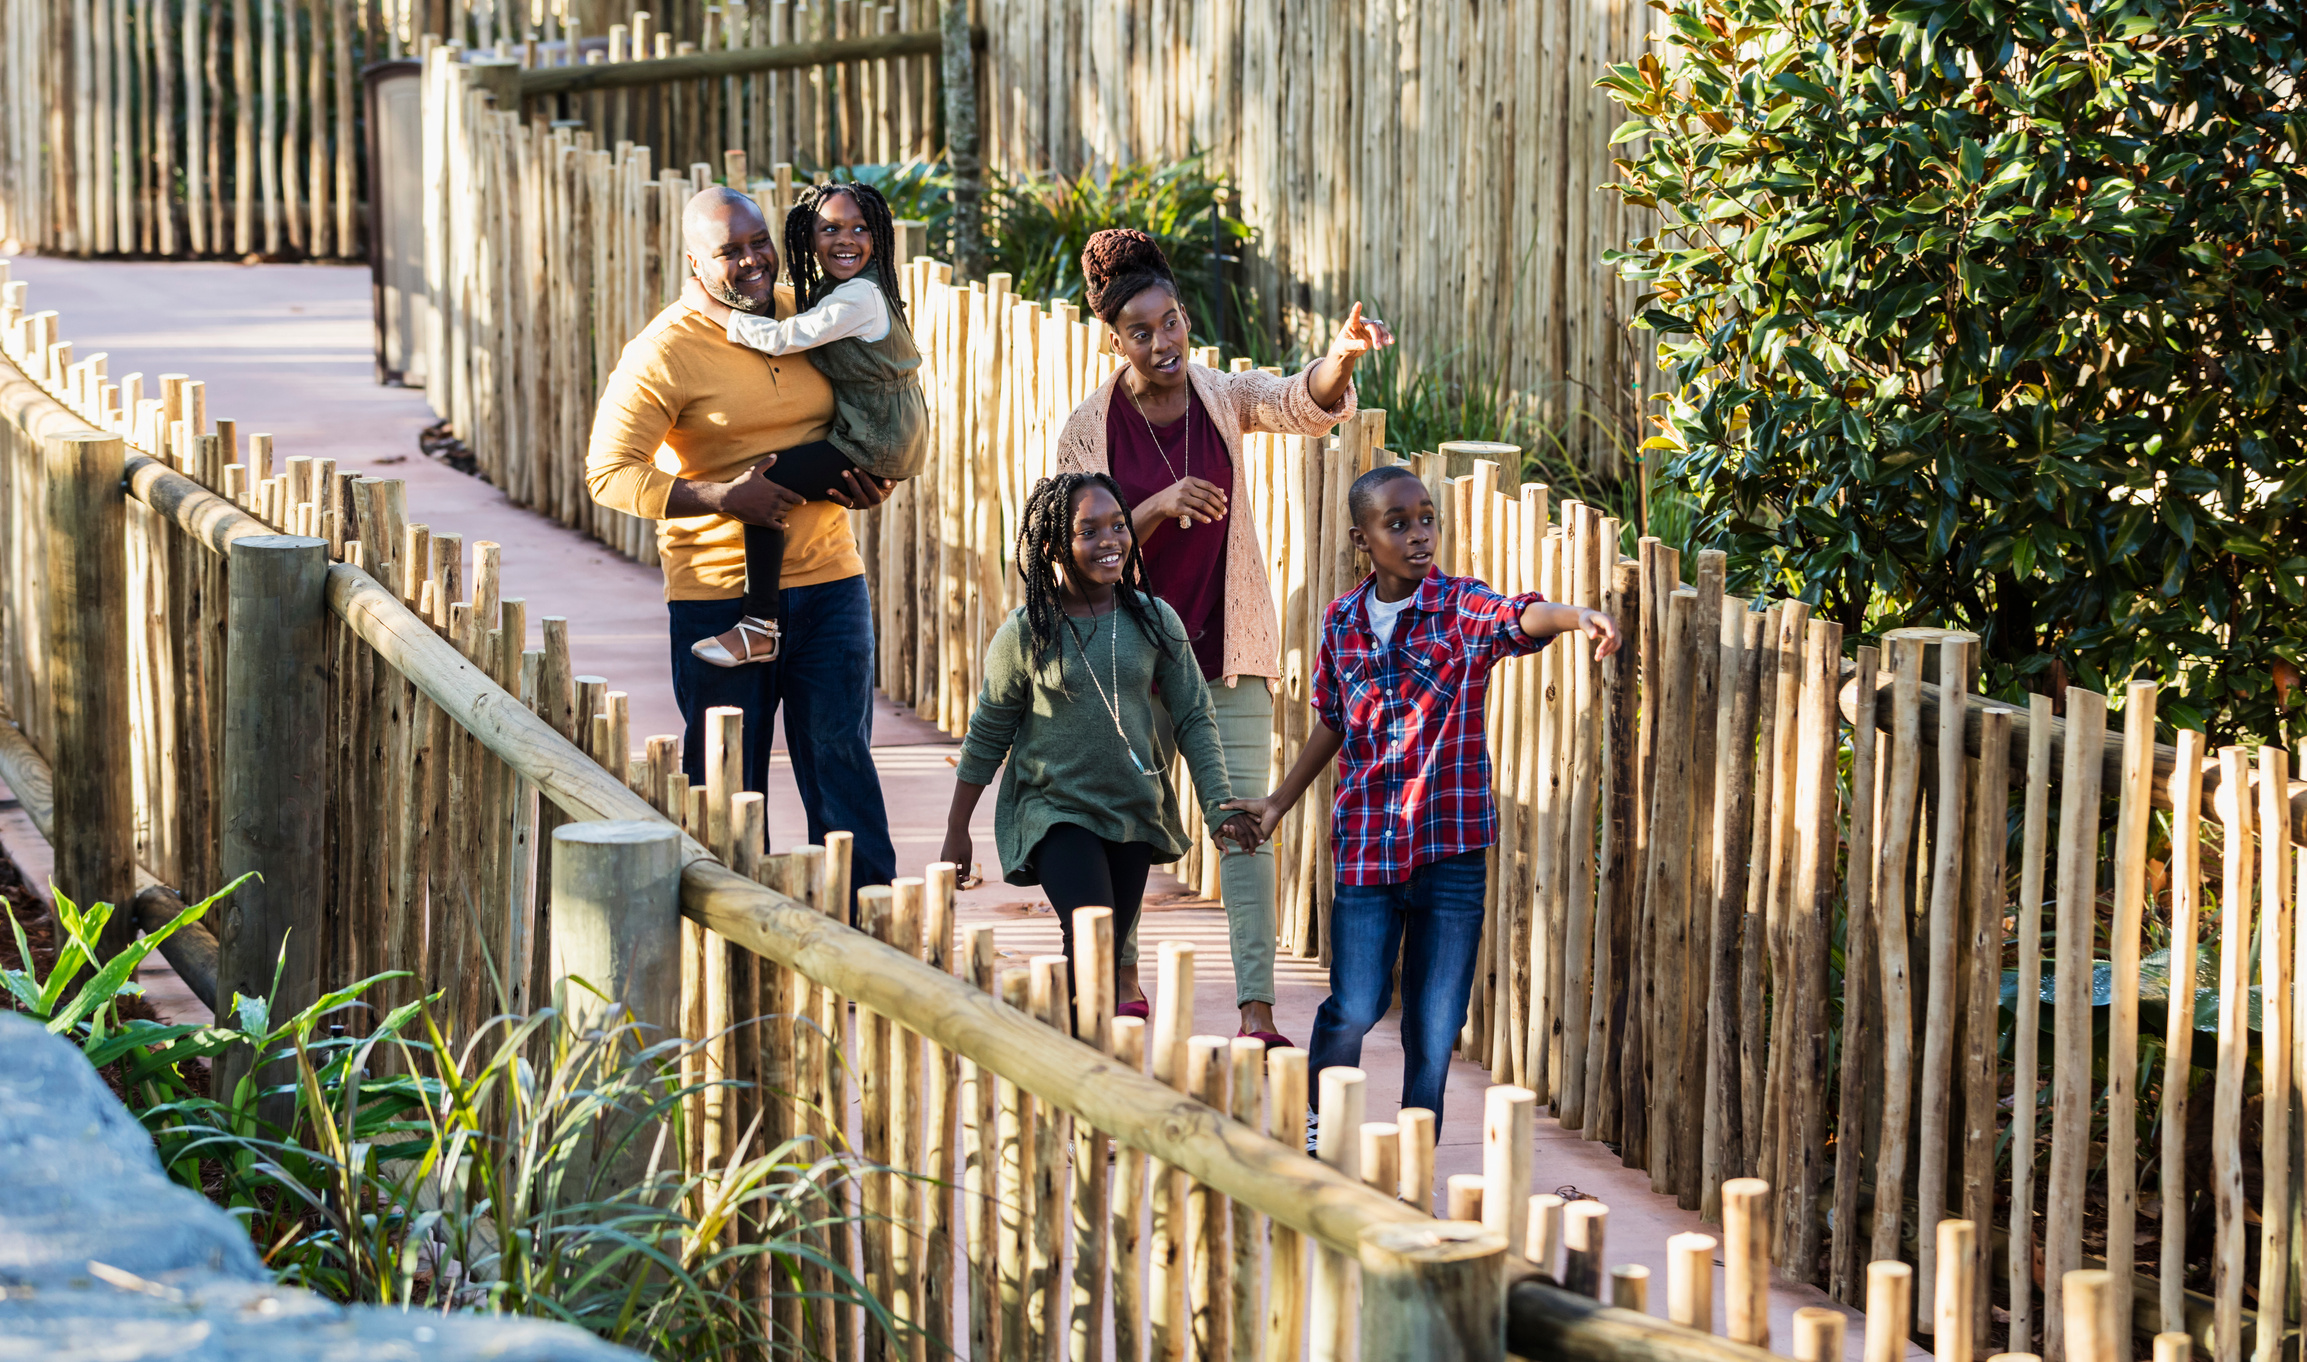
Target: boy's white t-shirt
x: 854, y: 309
x: 1383, y: 614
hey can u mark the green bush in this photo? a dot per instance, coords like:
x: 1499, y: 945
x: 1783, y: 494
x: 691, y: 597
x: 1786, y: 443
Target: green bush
x: 1988, y: 316
x: 1036, y: 225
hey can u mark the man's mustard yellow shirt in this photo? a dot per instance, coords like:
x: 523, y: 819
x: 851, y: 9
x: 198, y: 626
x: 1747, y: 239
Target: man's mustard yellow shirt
x: 686, y: 402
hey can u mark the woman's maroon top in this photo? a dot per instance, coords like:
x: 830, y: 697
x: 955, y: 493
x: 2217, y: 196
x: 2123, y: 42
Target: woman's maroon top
x: 1186, y: 568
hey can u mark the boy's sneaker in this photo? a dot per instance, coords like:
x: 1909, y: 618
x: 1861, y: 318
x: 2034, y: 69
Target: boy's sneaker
x: 1313, y: 1134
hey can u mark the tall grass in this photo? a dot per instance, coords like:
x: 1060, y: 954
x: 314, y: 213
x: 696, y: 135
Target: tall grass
x: 530, y: 1169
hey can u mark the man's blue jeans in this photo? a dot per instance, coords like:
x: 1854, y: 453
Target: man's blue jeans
x: 1434, y: 920
x: 824, y: 679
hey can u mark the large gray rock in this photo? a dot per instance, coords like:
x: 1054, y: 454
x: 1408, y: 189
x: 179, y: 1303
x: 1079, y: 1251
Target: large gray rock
x: 102, y: 1257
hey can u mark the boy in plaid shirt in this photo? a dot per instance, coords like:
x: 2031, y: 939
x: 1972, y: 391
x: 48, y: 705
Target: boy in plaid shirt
x: 1398, y: 687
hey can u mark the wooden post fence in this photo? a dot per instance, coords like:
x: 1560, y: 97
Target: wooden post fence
x: 273, y: 820
x: 1434, y: 1291
x: 87, y: 680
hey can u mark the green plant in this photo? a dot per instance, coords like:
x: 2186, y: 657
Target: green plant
x: 536, y: 1169
x: 89, y: 1016
x: 1462, y: 396
x: 1988, y: 316
x: 1037, y: 226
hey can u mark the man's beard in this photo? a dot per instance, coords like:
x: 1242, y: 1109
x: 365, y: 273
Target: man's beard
x: 727, y: 293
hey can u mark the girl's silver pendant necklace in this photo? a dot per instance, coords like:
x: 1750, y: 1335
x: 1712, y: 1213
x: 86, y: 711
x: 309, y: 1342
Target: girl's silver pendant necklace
x: 1185, y: 522
x: 1112, y: 704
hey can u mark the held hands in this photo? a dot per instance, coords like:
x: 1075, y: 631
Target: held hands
x: 1360, y: 336
x: 1266, y: 812
x: 1242, y: 830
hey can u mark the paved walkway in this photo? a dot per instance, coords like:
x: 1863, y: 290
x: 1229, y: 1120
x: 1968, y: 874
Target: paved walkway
x: 286, y: 349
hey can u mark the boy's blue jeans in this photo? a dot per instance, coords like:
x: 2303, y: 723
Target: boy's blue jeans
x: 1434, y: 919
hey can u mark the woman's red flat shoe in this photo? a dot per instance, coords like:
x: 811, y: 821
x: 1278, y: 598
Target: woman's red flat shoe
x: 1274, y: 1039
x: 1141, y: 1009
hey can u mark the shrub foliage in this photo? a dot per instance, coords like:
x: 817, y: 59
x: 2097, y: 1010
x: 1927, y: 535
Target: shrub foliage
x: 1987, y: 315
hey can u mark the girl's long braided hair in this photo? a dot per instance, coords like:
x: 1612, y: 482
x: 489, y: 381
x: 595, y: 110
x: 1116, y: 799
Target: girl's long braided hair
x: 1042, y: 538
x: 809, y: 281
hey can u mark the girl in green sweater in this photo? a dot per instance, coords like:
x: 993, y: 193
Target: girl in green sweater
x: 1086, y: 806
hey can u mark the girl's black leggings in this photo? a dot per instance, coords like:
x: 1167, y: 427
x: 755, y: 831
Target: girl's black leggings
x: 1080, y: 869
x: 809, y: 470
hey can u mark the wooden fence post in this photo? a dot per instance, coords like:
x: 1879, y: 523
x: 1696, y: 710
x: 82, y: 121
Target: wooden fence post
x: 88, y: 677
x: 2091, y: 1304
x: 1889, y: 1309
x: 1818, y: 1334
x: 617, y: 927
x: 617, y: 923
x: 1434, y: 1292
x: 1690, y: 1282
x: 274, y: 778
x: 1630, y: 1287
x: 1746, y: 1260
x: 1584, y: 1224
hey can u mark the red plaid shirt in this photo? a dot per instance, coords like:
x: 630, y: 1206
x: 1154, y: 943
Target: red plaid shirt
x: 1414, y: 774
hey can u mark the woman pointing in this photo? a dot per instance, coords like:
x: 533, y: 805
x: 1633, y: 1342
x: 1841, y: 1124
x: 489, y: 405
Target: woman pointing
x: 1170, y: 434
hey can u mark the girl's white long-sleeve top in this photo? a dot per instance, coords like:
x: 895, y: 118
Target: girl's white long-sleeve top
x: 854, y: 309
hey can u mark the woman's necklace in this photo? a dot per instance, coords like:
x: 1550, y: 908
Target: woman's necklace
x: 1111, y: 703
x: 1185, y: 522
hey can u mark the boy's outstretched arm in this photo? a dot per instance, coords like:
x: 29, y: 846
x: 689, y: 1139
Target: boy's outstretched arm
x: 1545, y: 619
x: 1320, y: 750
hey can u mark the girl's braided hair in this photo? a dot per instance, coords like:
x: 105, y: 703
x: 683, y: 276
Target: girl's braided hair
x: 809, y: 281
x: 1117, y: 265
x: 1042, y: 539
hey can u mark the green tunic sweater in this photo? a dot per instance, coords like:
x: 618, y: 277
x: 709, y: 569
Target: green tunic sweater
x: 1065, y: 762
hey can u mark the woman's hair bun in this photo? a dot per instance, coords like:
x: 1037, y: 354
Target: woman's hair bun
x: 1117, y: 265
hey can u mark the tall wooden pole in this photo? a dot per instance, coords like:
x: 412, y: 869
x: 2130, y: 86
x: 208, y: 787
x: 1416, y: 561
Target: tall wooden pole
x: 961, y: 143
x: 274, y: 777
x: 88, y: 676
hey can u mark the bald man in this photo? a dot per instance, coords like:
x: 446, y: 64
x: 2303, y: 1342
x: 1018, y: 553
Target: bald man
x: 683, y: 424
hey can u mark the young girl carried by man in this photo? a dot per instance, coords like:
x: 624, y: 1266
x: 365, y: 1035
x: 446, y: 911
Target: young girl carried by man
x: 840, y: 252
